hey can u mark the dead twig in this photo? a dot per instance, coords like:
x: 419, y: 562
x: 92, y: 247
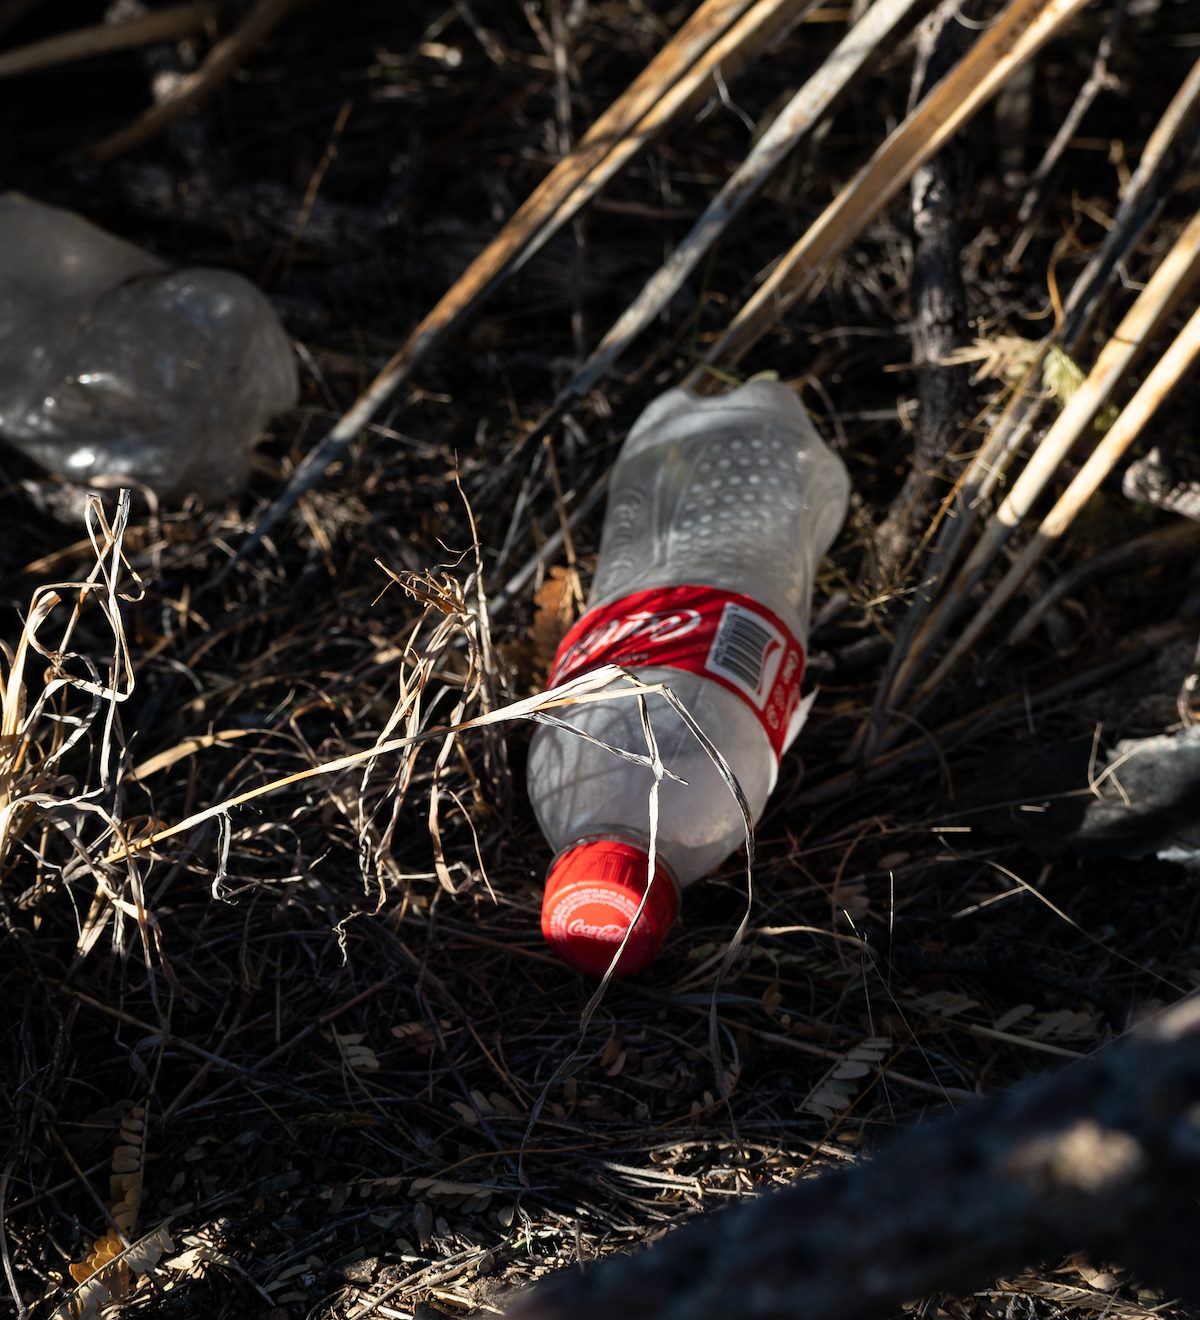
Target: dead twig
x: 1170, y: 283
x: 719, y: 33
x: 811, y: 104
x: 1170, y: 144
x: 1168, y: 148
x: 1015, y: 36
x: 1168, y: 371
x: 222, y: 62
x: 101, y: 39
x: 939, y: 301
x: 1098, y: 80
x: 1162, y: 543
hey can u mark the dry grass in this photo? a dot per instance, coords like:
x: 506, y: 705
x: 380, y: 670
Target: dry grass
x: 267, y: 868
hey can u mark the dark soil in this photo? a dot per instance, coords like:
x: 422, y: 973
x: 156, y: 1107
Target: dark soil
x: 366, y: 1087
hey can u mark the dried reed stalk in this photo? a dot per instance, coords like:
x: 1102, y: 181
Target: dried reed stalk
x: 812, y: 103
x: 1175, y: 275
x: 221, y: 63
x: 1168, y: 371
x: 1178, y: 538
x: 718, y: 35
x: 1169, y: 145
x: 1016, y: 35
x: 102, y: 38
x: 762, y: 24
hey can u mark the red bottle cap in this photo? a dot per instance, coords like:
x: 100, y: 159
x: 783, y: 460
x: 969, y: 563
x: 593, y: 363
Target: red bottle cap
x: 592, y: 894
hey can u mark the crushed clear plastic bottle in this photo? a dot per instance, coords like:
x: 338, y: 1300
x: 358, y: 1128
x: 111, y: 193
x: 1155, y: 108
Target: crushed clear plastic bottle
x: 726, y: 505
x: 117, y: 369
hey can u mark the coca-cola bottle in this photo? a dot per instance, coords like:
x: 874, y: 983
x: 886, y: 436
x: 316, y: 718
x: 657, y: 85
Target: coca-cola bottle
x: 719, y: 512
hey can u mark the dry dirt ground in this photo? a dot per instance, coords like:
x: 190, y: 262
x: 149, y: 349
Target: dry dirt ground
x: 325, y: 1033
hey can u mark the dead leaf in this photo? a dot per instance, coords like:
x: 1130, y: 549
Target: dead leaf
x: 554, y: 612
x: 1012, y: 1017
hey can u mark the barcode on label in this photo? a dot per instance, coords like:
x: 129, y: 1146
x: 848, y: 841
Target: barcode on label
x: 747, y: 651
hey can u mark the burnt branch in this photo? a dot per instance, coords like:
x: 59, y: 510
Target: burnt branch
x: 1104, y: 1157
x: 939, y: 300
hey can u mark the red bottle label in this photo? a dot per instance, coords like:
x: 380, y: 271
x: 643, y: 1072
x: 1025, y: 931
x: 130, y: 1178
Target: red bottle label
x: 721, y: 635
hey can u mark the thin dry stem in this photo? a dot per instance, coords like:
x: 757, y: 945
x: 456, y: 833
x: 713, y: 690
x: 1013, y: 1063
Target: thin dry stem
x: 84, y: 43
x: 717, y: 34
x: 1013, y: 37
x: 221, y: 64
x: 1171, y: 282
x: 1168, y: 371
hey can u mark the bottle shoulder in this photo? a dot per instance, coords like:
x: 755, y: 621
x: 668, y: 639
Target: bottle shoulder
x: 739, y: 493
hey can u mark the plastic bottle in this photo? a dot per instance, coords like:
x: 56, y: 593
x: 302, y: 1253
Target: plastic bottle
x: 116, y: 369
x: 719, y: 512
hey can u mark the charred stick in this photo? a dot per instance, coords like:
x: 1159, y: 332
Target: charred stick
x: 1103, y: 1157
x: 939, y: 301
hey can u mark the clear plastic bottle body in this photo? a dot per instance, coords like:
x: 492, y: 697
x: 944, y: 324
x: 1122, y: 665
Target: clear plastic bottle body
x: 738, y: 493
x: 115, y: 368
